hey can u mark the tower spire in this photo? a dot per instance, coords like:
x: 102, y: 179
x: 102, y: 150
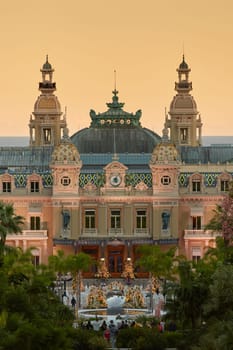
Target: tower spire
x: 45, y: 123
x: 115, y: 79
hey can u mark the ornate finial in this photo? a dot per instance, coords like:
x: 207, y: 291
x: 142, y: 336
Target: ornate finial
x: 47, y: 66
x: 114, y: 80
x: 115, y: 92
x: 183, y: 59
x: 165, y: 134
x: 66, y: 134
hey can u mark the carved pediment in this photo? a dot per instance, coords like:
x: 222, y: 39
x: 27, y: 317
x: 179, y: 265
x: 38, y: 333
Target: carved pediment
x: 115, y: 166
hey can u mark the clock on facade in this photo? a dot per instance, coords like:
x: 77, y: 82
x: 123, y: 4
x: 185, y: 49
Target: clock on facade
x: 115, y: 180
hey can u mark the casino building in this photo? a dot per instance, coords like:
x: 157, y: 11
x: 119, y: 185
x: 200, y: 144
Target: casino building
x: 114, y: 185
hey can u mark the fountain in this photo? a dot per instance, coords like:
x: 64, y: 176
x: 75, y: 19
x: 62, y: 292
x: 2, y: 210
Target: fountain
x: 114, y: 301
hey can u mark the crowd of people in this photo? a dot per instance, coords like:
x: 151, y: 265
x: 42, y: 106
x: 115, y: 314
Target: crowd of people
x: 111, y: 328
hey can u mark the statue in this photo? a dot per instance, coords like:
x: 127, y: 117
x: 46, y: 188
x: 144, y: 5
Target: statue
x: 66, y: 219
x: 92, y: 114
x: 165, y: 220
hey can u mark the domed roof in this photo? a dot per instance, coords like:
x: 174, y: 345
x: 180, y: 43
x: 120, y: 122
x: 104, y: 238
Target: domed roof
x: 182, y: 102
x: 47, y: 65
x: 47, y: 102
x: 115, y: 140
x: 183, y: 65
x: 65, y: 152
x: 115, y: 131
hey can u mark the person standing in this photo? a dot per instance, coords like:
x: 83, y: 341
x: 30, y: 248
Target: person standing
x: 73, y: 302
x: 107, y: 335
x: 113, y: 333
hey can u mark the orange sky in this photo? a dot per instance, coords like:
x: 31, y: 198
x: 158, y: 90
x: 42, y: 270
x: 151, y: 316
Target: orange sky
x: 142, y: 39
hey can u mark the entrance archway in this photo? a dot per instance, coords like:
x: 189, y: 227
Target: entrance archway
x: 115, y: 260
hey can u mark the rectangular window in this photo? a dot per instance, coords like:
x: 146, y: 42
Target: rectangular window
x: 35, y: 260
x: 6, y: 186
x: 141, y: 219
x: 47, y: 136
x: 224, y: 185
x: 89, y: 218
x: 196, y: 254
x: 34, y: 186
x: 196, y: 222
x: 183, y: 135
x: 115, y: 218
x: 35, y: 222
x: 196, y: 186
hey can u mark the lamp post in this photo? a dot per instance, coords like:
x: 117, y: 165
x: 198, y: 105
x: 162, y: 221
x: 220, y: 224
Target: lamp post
x: 151, y: 294
x: 61, y: 285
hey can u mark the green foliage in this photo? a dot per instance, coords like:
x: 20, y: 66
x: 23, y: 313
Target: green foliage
x: 144, y: 338
x: 222, y: 220
x: 188, y: 294
x: 78, y: 262
x: 156, y: 261
x: 9, y: 223
x: 218, y: 335
x: 220, y: 302
x: 88, y: 340
x: 31, y: 316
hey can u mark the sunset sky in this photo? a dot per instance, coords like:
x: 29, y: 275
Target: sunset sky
x: 143, y: 40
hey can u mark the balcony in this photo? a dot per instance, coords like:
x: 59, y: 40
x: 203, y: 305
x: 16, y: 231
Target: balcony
x: 201, y: 234
x: 26, y: 234
x: 141, y: 232
x: 117, y: 231
x: 89, y: 232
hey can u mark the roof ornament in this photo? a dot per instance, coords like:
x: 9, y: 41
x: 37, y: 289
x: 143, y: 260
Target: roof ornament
x: 47, y: 66
x: 183, y: 64
x: 165, y: 137
x: 66, y: 137
x: 115, y: 79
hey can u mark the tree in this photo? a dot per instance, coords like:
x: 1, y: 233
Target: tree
x: 156, y: 261
x: 217, y: 334
x: 222, y: 220
x: 189, y: 292
x: 75, y: 264
x: 31, y: 315
x: 9, y: 223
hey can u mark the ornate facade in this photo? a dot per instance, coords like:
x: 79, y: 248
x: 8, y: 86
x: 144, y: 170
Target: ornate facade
x: 115, y: 185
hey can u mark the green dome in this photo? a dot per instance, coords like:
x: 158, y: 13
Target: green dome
x: 115, y: 131
x: 183, y: 65
x: 47, y: 65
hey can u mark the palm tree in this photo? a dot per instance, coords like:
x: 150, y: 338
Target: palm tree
x: 159, y: 263
x: 9, y: 223
x: 73, y: 264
